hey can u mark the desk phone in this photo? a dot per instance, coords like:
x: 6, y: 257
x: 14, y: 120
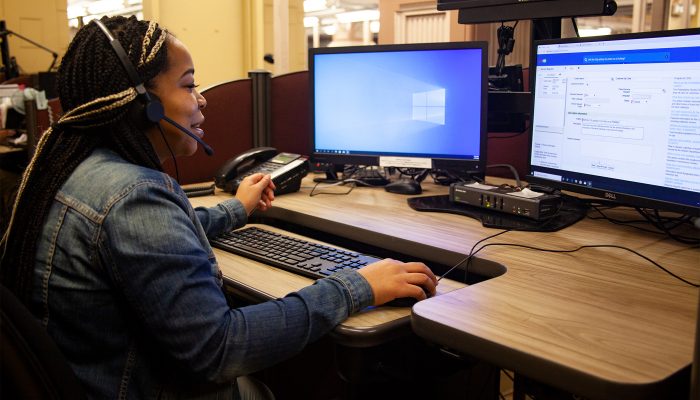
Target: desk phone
x: 286, y: 169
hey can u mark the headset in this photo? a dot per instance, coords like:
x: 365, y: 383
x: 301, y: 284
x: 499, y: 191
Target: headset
x: 153, y: 107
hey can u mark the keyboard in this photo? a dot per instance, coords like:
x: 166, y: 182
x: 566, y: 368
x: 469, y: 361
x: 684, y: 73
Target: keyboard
x: 300, y: 256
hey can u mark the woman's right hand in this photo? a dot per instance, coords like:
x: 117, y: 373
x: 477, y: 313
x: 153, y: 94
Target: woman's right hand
x: 256, y: 191
x: 391, y: 279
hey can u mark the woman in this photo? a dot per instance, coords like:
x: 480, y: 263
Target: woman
x: 111, y: 257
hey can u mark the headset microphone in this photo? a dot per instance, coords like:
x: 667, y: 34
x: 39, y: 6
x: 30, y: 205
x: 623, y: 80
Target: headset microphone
x: 153, y: 107
x: 206, y: 147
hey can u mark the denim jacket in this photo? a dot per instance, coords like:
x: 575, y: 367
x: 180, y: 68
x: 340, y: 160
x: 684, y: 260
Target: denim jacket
x: 128, y: 286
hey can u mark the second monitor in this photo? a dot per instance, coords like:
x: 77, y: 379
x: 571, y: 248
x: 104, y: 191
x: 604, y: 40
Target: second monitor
x: 414, y: 106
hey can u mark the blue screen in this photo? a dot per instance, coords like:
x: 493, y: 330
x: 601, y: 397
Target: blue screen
x: 424, y: 103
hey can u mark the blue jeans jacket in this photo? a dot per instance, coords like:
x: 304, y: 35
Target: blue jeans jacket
x: 128, y: 286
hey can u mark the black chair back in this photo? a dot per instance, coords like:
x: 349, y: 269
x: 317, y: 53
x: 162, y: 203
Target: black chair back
x: 31, y: 365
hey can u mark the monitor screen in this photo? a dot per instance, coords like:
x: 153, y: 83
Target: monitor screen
x: 619, y: 117
x: 417, y: 105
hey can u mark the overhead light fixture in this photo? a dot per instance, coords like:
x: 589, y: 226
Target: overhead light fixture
x: 310, y: 22
x: 76, y: 11
x: 314, y: 5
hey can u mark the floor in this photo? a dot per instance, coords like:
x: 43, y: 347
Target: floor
x: 506, y: 385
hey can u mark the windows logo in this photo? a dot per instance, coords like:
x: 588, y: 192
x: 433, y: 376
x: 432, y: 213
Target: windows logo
x: 429, y: 106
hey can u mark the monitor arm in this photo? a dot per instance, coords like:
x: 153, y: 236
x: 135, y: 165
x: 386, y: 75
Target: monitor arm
x: 6, y: 32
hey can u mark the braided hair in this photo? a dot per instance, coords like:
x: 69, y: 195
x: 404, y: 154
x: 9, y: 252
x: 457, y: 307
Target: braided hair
x: 100, y: 101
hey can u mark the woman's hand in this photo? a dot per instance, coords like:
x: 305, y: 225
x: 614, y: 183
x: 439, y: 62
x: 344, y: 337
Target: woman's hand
x: 256, y: 192
x: 391, y: 279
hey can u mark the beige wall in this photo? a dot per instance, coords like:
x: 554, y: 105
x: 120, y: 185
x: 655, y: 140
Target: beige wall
x: 213, y: 31
x: 290, y: 35
x: 43, y: 21
x: 298, y: 48
x: 228, y: 38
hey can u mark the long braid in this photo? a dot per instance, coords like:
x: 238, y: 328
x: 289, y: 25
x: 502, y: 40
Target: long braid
x: 98, y: 95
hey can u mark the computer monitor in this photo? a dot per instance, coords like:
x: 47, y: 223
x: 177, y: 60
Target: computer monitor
x: 414, y: 105
x: 618, y: 117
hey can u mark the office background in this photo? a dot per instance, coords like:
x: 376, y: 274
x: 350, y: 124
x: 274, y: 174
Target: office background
x: 230, y: 38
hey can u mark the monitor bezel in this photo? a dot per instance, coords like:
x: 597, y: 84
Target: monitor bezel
x: 472, y: 166
x: 484, y: 11
x: 622, y: 198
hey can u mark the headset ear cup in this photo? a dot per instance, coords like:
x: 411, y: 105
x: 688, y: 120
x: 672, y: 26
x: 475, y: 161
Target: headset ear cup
x: 146, y: 111
x: 137, y: 114
x: 154, y: 111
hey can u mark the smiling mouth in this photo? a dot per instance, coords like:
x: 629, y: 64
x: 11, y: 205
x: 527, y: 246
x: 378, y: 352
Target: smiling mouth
x: 196, y: 128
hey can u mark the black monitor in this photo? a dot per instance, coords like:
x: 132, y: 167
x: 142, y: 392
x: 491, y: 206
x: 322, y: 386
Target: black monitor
x: 415, y: 105
x: 618, y: 117
x: 479, y: 11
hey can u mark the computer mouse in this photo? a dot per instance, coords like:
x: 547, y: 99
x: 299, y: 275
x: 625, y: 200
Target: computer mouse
x: 405, y: 301
x: 402, y: 302
x: 404, y: 186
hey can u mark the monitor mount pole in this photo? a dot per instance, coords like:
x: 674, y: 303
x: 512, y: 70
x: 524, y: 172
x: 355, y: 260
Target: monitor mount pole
x: 546, y: 28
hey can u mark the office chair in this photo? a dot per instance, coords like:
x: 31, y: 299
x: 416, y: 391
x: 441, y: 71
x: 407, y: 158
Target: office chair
x: 290, y: 121
x: 31, y: 365
x: 228, y: 129
x: 51, y: 114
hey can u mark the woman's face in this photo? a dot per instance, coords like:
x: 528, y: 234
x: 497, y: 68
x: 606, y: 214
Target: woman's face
x: 182, y: 103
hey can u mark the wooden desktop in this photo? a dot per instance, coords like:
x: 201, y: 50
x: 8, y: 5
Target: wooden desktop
x: 600, y: 322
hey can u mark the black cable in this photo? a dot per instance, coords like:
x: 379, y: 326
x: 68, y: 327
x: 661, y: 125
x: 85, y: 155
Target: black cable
x: 468, y: 257
x: 363, y: 173
x: 573, y: 22
x: 172, y: 155
x: 339, y: 183
x: 505, y: 45
x: 445, y: 177
x: 516, y: 176
x: 659, y: 225
x: 661, y: 229
x: 586, y: 247
x: 621, y: 222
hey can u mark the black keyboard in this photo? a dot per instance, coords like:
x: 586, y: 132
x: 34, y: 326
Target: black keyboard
x: 296, y: 255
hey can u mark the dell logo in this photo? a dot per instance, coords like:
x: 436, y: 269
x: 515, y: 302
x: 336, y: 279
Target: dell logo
x: 610, y: 196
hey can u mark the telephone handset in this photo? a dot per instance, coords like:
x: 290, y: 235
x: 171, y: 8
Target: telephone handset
x: 286, y: 169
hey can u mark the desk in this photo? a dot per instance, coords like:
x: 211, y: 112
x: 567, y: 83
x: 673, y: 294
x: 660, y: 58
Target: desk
x: 601, y: 323
x: 12, y: 157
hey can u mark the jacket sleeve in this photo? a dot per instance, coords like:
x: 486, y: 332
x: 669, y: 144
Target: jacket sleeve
x: 226, y: 216
x: 164, y: 269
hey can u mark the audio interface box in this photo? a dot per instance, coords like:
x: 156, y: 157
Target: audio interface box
x: 525, y: 202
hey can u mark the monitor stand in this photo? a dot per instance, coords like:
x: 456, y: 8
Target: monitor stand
x: 571, y: 212
x: 331, y: 174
